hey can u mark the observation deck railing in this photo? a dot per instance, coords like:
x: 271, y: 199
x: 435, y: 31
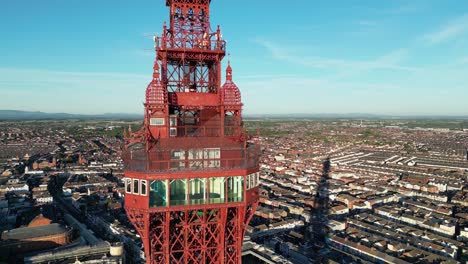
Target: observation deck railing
x: 200, y: 44
x: 163, y: 161
x: 205, y: 131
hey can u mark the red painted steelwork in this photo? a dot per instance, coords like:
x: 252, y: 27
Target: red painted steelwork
x: 191, y: 172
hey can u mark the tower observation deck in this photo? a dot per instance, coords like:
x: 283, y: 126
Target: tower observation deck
x: 191, y: 172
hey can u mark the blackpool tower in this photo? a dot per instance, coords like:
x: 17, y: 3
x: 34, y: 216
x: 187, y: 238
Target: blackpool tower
x: 191, y: 172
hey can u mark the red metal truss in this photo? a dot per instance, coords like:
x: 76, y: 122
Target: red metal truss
x: 191, y: 173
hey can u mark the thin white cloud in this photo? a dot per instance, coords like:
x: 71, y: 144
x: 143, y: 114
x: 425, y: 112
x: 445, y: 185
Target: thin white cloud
x: 390, y: 61
x: 450, y: 31
x: 76, y: 92
x: 67, y: 80
x: 48, y: 73
x: 426, y: 88
x: 442, y: 93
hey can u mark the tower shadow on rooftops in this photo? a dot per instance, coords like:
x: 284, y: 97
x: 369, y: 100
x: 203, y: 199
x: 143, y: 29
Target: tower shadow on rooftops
x: 318, y: 230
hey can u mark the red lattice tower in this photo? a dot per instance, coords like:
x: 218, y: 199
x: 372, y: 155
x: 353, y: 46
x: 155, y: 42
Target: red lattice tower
x: 191, y: 173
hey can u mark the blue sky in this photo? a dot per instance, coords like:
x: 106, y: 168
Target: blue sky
x: 303, y: 56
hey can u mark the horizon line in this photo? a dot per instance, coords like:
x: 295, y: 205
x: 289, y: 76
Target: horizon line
x: 354, y: 114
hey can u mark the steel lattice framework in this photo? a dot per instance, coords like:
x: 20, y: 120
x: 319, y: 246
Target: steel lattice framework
x: 191, y: 172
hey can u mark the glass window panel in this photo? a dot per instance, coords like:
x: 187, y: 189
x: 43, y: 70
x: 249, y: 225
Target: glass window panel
x: 158, y: 193
x: 196, y: 164
x: 157, y: 121
x: 240, y: 188
x: 212, y: 153
x: 247, y: 183
x: 258, y: 178
x: 178, y: 155
x: 196, y: 154
x: 178, y: 192
x: 212, y: 156
x: 173, y: 132
x: 128, y: 185
x: 143, y: 187
x: 212, y: 163
x: 197, y: 191
x: 236, y: 189
x: 135, y: 186
x: 217, y: 190
x: 177, y: 165
x: 173, y: 121
x: 252, y: 180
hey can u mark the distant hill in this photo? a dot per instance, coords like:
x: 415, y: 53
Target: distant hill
x: 27, y: 115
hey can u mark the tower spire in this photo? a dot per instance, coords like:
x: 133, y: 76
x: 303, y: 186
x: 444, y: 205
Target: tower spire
x: 156, y: 70
x: 229, y: 69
